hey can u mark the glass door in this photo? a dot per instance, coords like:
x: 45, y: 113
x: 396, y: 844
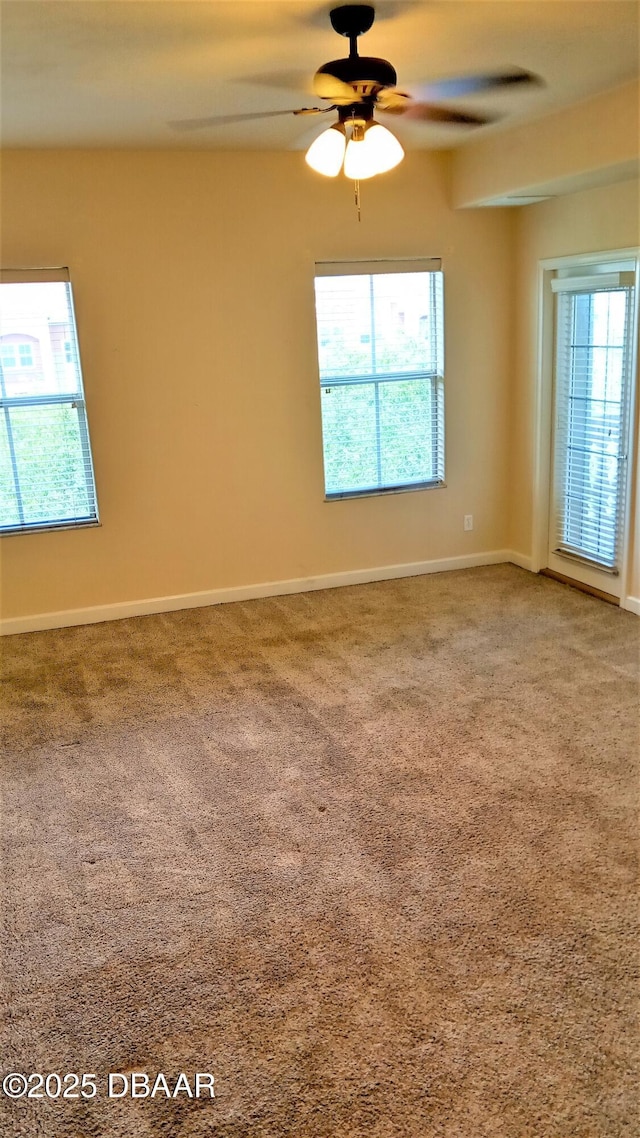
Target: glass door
x: 594, y: 316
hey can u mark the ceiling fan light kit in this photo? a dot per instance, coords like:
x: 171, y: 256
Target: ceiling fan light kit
x: 370, y: 150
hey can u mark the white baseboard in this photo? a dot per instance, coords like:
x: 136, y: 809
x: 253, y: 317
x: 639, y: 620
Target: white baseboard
x: 39, y: 622
x: 520, y: 559
x: 632, y: 604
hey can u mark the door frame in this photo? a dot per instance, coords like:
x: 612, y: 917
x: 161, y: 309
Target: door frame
x: 543, y: 416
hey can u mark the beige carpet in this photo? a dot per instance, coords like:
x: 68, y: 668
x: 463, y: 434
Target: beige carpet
x: 365, y: 855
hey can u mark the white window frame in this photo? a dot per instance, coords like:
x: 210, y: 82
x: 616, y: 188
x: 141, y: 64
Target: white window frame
x: 76, y: 399
x: 383, y: 267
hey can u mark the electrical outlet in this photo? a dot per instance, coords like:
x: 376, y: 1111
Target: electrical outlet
x: 468, y: 521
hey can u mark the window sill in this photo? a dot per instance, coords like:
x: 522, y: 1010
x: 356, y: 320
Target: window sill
x: 51, y: 527
x: 384, y: 490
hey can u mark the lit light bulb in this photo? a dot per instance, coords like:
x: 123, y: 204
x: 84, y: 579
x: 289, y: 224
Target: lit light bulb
x: 376, y: 153
x: 326, y: 153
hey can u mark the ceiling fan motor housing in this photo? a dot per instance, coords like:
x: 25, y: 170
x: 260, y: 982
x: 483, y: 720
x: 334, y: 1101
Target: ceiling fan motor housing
x: 362, y: 71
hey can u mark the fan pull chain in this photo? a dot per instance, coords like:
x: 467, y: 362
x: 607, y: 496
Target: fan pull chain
x: 357, y: 198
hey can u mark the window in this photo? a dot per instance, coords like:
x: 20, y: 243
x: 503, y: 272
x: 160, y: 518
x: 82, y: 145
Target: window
x: 46, y: 473
x: 26, y: 355
x: 8, y: 356
x: 14, y: 354
x: 380, y: 350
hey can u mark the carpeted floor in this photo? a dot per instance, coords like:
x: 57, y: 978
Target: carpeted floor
x: 365, y: 855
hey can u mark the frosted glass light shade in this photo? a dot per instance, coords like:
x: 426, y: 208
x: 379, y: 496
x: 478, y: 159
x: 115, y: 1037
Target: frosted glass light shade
x: 326, y: 153
x: 378, y: 152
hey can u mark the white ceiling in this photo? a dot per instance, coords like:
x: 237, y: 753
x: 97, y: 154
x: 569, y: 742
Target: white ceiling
x: 118, y: 72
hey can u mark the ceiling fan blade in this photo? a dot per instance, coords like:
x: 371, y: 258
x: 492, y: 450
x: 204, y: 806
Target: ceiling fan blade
x: 284, y: 80
x: 431, y: 112
x: 396, y: 102
x: 224, y: 120
x: 327, y: 86
x: 461, y: 86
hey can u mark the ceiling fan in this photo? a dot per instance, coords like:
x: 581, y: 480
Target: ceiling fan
x: 355, y: 86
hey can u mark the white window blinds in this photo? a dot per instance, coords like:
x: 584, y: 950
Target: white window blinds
x: 593, y: 363
x: 46, y: 473
x: 381, y: 355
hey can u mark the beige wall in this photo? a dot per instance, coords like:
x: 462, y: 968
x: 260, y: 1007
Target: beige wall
x: 593, y: 143
x: 193, y: 281
x: 592, y: 221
